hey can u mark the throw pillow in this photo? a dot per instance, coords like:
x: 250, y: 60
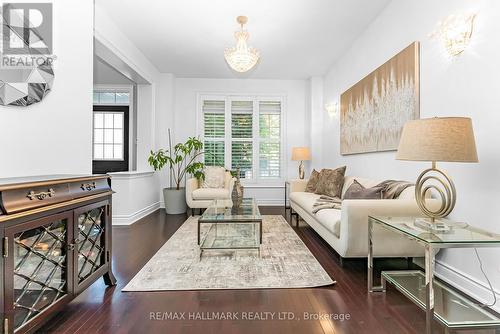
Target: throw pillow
x: 330, y: 182
x: 358, y: 191
x: 313, y: 182
x: 214, y: 177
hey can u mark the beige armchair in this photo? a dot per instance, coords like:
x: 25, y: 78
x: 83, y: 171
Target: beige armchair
x: 198, y: 198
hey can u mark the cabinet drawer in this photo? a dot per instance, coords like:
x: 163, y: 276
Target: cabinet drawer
x: 89, y: 187
x: 17, y: 200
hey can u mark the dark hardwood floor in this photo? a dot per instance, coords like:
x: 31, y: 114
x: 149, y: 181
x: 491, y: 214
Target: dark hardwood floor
x: 101, y: 309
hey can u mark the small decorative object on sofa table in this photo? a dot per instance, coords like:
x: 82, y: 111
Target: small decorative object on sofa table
x: 301, y: 154
x: 440, y: 301
x: 437, y: 139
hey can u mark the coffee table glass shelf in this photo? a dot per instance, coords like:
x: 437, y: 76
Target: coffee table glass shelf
x: 232, y: 227
x: 440, y: 301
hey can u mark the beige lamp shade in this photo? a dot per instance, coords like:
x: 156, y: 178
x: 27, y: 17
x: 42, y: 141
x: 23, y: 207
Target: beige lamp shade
x: 438, y: 139
x: 301, y: 154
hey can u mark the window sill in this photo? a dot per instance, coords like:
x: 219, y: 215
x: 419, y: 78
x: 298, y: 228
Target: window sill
x: 274, y: 184
x: 131, y: 174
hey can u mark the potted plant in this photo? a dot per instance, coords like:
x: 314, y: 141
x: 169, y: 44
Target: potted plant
x: 181, y: 160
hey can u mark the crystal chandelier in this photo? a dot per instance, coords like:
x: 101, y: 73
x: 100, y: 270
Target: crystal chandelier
x: 241, y: 58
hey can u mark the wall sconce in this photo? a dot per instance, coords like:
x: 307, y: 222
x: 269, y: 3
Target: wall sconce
x: 455, y: 32
x: 332, y: 108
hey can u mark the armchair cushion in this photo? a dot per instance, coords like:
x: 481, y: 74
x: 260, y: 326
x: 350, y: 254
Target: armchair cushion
x: 210, y: 193
x: 214, y: 177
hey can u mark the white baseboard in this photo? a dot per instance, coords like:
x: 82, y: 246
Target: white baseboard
x: 270, y: 202
x: 132, y: 218
x: 469, y: 285
x: 263, y: 202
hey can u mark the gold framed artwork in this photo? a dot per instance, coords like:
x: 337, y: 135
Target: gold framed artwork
x: 374, y: 110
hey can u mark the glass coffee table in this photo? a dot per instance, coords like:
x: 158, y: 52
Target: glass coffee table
x: 232, y: 227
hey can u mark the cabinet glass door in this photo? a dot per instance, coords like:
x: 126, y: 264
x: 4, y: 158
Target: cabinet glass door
x: 90, y: 240
x: 39, y: 262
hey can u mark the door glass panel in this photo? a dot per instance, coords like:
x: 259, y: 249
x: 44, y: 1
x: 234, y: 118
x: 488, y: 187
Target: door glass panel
x: 40, y: 269
x: 91, y: 242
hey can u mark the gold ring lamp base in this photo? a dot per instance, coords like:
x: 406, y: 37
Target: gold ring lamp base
x: 437, y: 180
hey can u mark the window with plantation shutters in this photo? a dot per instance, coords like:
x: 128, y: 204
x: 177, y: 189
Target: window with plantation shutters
x: 269, y: 139
x: 246, y: 133
x: 214, y: 133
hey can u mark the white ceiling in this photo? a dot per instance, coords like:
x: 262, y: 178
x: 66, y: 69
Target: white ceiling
x: 297, y: 38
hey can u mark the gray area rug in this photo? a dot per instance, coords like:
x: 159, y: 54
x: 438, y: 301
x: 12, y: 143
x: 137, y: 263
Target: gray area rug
x: 285, y: 262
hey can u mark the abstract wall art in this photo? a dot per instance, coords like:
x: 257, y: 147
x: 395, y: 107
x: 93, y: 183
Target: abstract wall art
x: 374, y: 110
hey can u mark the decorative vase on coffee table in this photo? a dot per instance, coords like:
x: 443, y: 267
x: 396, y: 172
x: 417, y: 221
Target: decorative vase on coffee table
x: 237, y: 193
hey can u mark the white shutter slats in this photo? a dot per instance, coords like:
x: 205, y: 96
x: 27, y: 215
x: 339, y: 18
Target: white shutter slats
x: 214, y: 132
x: 242, y: 157
x: 241, y: 126
x: 242, y: 137
x: 241, y: 119
x: 213, y: 119
x: 270, y: 107
x: 214, y: 153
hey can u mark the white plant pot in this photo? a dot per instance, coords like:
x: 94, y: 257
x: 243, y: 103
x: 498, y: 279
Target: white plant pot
x: 175, y: 200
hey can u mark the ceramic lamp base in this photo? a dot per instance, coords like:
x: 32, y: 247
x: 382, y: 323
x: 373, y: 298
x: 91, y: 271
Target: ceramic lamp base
x: 302, y: 173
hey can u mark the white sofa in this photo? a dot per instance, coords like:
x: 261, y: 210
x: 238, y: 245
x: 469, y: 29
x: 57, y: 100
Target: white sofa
x: 200, y: 198
x: 346, y: 230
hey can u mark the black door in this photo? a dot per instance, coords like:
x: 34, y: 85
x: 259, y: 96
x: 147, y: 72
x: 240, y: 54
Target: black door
x: 110, y: 138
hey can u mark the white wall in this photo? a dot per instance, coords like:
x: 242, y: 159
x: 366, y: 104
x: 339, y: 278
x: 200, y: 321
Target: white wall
x: 296, y: 117
x: 164, y: 119
x: 465, y: 86
x: 150, y: 101
x: 133, y: 198
x: 51, y: 137
x: 317, y: 111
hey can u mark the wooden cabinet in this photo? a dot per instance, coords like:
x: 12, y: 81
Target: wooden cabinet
x: 54, y: 251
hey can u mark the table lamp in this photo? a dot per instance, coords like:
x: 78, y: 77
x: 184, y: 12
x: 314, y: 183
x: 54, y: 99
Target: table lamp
x: 449, y: 139
x: 301, y: 154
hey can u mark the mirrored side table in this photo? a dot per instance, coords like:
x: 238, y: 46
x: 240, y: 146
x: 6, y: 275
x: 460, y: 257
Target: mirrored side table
x: 447, y: 305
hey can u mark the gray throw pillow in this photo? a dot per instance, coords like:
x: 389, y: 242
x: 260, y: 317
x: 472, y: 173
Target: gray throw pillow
x: 330, y: 182
x: 313, y: 182
x: 357, y: 191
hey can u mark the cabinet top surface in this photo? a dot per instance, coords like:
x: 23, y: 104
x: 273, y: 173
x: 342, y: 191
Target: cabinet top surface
x: 459, y: 233
x: 15, y: 182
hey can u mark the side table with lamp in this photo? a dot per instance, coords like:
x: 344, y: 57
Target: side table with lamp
x: 449, y: 139
x: 298, y: 154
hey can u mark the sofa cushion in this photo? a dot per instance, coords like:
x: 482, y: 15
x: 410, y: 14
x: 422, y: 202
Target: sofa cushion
x: 357, y: 191
x: 304, y: 200
x: 210, y: 193
x: 329, y: 218
x: 331, y: 181
x: 214, y: 177
x: 313, y: 182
